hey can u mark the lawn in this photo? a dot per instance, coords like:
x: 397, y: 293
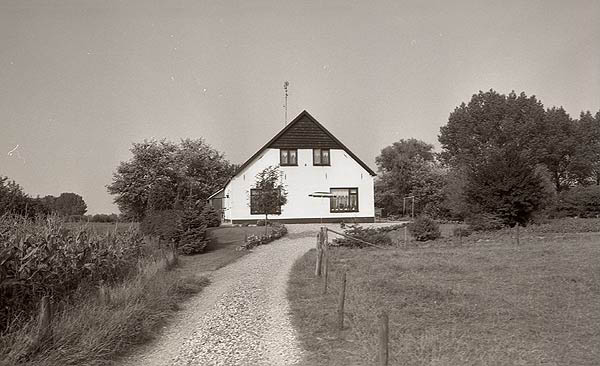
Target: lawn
x: 484, y: 302
x: 222, y: 249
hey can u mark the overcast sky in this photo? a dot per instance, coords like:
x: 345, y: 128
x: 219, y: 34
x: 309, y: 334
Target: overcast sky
x: 81, y: 80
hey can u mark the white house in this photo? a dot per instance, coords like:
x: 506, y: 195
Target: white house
x: 311, y: 160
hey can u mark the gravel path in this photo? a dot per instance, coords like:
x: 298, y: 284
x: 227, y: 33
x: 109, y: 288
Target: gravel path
x: 241, y: 318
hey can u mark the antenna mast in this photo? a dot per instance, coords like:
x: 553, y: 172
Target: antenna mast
x: 285, y: 88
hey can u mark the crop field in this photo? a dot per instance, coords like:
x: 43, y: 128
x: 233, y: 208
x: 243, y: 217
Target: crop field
x: 103, y: 227
x: 483, y: 301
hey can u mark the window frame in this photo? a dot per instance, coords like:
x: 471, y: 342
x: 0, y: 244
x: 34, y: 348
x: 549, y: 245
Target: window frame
x: 254, y: 210
x: 349, y: 189
x: 288, y: 154
x: 321, y: 157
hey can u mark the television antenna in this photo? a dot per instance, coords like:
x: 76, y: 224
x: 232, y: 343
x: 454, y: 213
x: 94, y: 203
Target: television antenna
x: 286, y: 84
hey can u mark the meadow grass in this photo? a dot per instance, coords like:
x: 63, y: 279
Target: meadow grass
x: 483, y: 302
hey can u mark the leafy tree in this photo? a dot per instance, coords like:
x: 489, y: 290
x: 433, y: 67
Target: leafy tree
x: 161, y: 174
x: 494, y: 143
x: 509, y: 186
x: 67, y: 204
x: 556, y: 146
x: 587, y: 162
x: 488, y: 122
x: 12, y: 197
x: 13, y: 200
x: 271, y: 193
x: 408, y: 168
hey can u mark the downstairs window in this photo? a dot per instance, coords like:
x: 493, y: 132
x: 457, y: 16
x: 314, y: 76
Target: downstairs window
x: 344, y: 200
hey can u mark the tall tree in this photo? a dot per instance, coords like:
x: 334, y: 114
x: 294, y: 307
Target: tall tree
x: 587, y: 162
x: 489, y: 121
x: 269, y: 193
x: 162, y: 173
x: 555, y: 145
x: 509, y: 186
x: 407, y: 168
x: 493, y: 141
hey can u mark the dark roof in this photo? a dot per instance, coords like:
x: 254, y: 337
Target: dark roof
x: 305, y: 132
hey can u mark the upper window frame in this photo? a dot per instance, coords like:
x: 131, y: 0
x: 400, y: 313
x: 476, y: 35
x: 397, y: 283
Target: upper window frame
x: 281, y: 157
x: 321, y: 157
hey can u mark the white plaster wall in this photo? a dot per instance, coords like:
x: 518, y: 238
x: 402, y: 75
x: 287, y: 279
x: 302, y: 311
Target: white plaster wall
x: 302, y: 180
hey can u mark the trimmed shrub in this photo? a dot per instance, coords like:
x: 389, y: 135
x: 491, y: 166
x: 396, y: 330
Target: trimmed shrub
x: 371, y: 235
x: 212, y: 216
x: 277, y: 231
x: 424, y: 228
x: 191, y: 231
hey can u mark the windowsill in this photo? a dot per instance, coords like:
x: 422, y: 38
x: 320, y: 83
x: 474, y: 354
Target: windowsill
x: 288, y: 164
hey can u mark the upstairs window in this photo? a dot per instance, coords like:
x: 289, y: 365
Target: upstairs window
x: 344, y: 200
x: 288, y: 157
x: 321, y: 157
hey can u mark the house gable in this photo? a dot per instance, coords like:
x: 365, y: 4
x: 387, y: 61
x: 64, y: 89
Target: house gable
x: 305, y: 132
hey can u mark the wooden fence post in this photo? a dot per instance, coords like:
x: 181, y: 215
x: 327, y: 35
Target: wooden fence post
x: 319, y: 256
x: 383, y: 338
x: 175, y: 257
x: 45, y: 319
x: 325, y: 264
x: 341, y: 302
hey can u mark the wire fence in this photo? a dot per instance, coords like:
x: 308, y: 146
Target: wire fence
x: 322, y: 271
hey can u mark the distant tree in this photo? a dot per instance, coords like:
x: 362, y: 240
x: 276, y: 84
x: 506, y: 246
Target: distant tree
x: 408, y: 168
x: 270, y: 193
x: 13, y: 200
x: 162, y: 174
x: 67, y: 204
x: 12, y: 197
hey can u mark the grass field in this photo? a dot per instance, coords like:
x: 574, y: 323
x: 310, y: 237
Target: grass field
x: 485, y: 302
x: 103, y: 227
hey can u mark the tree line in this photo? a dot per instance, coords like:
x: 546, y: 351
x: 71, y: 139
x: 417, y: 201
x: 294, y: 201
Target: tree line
x: 14, y: 200
x: 504, y: 157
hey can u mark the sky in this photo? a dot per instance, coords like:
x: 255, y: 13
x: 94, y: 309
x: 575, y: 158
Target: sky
x: 80, y: 80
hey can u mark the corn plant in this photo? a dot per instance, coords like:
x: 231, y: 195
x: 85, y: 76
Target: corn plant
x: 41, y: 257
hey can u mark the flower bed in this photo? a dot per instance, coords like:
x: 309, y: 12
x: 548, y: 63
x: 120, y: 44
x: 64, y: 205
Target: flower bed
x: 275, y: 232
